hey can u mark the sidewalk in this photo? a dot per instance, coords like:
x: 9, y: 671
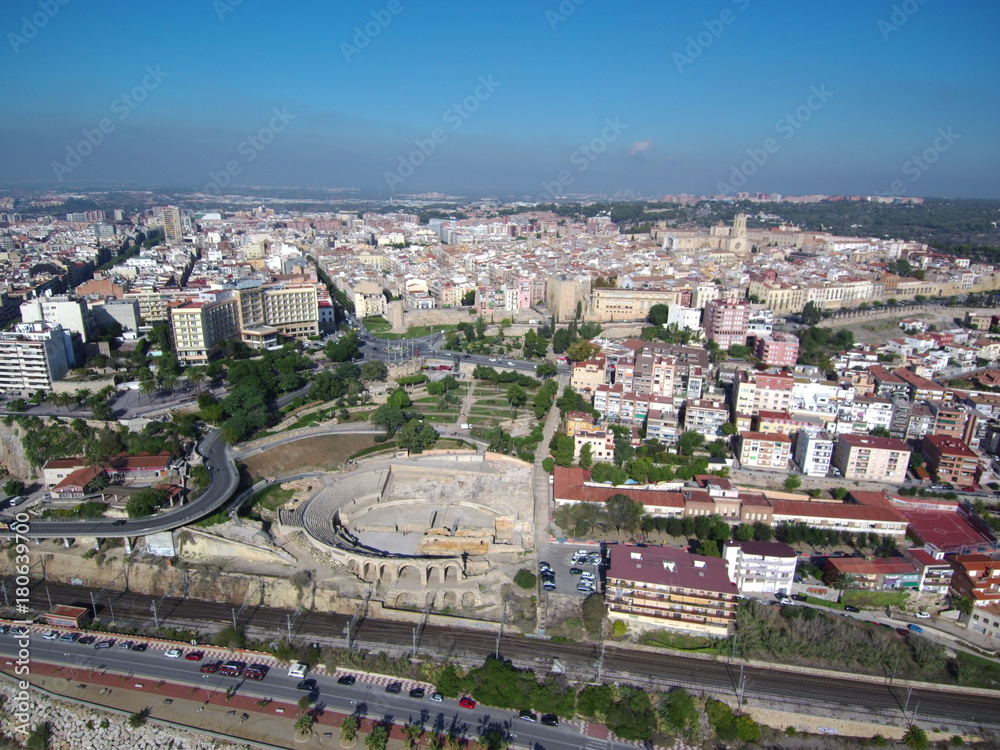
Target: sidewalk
x: 195, y: 706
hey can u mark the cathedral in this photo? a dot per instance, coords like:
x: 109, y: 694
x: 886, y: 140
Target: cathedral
x: 720, y: 237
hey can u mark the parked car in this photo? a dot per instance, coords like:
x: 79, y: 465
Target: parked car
x: 210, y: 667
x: 85, y: 640
x: 140, y: 647
x: 550, y: 720
x: 915, y: 628
x: 174, y: 653
x: 307, y: 685
x: 195, y: 655
x: 69, y: 637
x: 108, y: 643
x: 51, y: 635
x: 346, y: 679
x: 467, y: 702
x: 923, y: 615
x: 417, y: 692
x: 394, y: 688
x: 849, y: 608
x: 528, y: 716
x: 125, y: 645
x: 575, y: 571
x: 437, y: 697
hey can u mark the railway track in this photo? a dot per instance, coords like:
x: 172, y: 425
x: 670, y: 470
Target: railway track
x: 971, y: 712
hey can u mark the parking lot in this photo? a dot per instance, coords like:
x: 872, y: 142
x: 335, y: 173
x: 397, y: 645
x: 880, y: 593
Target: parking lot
x: 559, y: 557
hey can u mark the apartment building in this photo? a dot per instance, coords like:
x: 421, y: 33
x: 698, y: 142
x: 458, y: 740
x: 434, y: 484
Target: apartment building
x: 760, y: 567
x: 758, y: 450
x: 663, y: 423
x: 879, y: 574
x: 814, y: 453
x: 369, y: 300
x: 199, y: 326
x: 578, y: 420
x: 950, y: 460
x: 977, y: 577
x: 71, y: 313
x: 840, y: 517
x: 935, y: 574
x: 706, y: 416
x: 32, y: 357
x: 776, y: 349
x: 587, y: 375
x: 758, y: 391
x: 986, y: 621
x: 601, y: 442
x: 670, y: 588
x: 726, y: 322
x: 173, y: 226
x: 293, y: 309
x: 875, y: 459
x: 646, y: 373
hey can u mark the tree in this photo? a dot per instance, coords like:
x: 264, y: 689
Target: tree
x: 964, y: 604
x: 593, y: 610
x: 546, y: 369
x: 916, y: 738
x: 681, y: 713
x: 728, y: 429
x: 709, y: 548
x: 564, y: 451
x: 744, y: 532
x: 811, y: 314
x: 658, y: 315
x: 305, y: 723
x: 688, y: 442
x: 399, y: 399
x: 747, y: 730
x: 843, y: 582
x: 581, y: 350
x: 516, y: 396
x: 525, y: 579
x: 416, y: 435
x: 586, y: 456
x: 879, y: 432
x: 349, y: 728
x: 377, y: 738
x: 792, y: 482
x: 13, y: 487
x: 624, y: 512
x: 374, y: 369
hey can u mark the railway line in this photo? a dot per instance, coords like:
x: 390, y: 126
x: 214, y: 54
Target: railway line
x: 805, y: 691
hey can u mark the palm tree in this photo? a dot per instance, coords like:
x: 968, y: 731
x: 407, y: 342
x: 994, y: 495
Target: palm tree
x: 843, y: 582
x: 82, y: 395
x: 349, y: 729
x: 62, y: 399
x: 412, y: 732
x: 147, y: 387
x: 169, y: 381
x: 196, y: 376
x: 305, y: 723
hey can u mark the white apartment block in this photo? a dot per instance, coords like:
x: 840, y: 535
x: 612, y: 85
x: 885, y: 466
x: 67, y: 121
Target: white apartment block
x: 72, y: 314
x: 765, y: 451
x: 198, y: 327
x: 601, y: 442
x: 760, y: 567
x: 757, y: 391
x: 813, y: 453
x: 705, y: 416
x: 32, y: 357
x: 369, y: 300
x: 685, y: 318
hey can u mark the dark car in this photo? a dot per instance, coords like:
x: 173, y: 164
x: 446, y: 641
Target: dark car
x: 799, y: 597
x: 417, y: 692
x: 140, y: 647
x: 105, y: 644
x: 849, y: 608
x: 575, y: 571
x: 347, y: 679
x: 550, y: 720
x: 307, y: 685
x: 87, y: 639
x: 120, y: 522
x: 394, y: 688
x: 528, y: 716
x: 210, y: 667
x: 902, y: 631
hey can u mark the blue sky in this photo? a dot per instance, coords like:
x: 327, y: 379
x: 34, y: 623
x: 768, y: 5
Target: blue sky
x: 516, y: 97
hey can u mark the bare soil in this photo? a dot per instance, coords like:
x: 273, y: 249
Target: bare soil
x: 324, y: 452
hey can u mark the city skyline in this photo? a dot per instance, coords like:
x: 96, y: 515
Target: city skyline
x: 394, y: 98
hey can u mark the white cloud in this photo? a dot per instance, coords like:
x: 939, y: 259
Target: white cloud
x: 640, y: 146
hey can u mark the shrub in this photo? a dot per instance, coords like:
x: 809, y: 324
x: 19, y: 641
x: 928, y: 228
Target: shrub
x: 525, y: 579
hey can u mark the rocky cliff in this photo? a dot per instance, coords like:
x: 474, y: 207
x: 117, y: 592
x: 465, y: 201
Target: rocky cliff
x: 12, y: 456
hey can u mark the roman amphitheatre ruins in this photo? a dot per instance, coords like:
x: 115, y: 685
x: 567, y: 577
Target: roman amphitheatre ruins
x: 442, y: 532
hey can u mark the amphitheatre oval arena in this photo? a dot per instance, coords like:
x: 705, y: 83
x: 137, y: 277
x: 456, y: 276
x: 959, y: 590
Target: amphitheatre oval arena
x: 432, y: 531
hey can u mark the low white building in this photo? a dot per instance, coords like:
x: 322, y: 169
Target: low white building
x: 813, y: 453
x: 760, y: 567
x: 685, y: 318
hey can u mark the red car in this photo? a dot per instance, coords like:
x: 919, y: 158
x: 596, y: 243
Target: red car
x: 210, y: 667
x: 467, y: 702
x: 195, y: 655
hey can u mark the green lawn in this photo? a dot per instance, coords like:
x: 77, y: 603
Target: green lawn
x: 377, y: 324
x: 876, y: 599
x: 272, y: 498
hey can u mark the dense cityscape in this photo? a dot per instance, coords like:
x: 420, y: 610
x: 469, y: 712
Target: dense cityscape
x: 559, y: 376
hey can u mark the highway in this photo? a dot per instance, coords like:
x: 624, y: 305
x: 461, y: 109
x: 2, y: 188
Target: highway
x: 773, y: 685
x: 366, y: 698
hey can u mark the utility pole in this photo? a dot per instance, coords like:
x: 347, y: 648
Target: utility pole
x: 600, y: 660
x: 93, y: 604
x: 47, y: 596
x: 156, y: 619
x: 906, y: 705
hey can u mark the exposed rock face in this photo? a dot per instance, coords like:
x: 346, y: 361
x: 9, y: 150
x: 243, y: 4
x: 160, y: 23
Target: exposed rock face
x: 12, y: 453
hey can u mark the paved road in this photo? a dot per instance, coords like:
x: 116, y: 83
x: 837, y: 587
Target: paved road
x: 224, y: 479
x: 367, y: 696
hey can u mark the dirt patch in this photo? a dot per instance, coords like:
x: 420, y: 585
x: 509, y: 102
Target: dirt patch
x: 324, y: 452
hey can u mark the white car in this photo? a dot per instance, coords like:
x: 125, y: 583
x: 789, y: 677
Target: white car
x: 298, y: 670
x: 923, y: 615
x: 174, y: 653
x: 586, y: 576
x: 51, y: 635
